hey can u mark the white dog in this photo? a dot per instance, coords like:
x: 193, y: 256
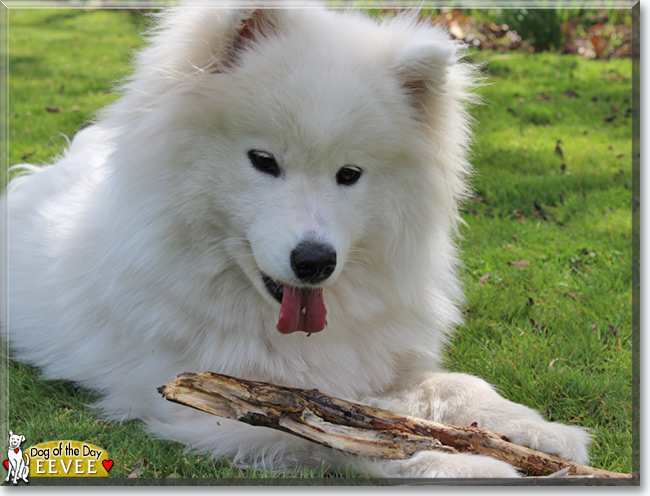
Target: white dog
x: 267, y: 175
x: 18, y: 466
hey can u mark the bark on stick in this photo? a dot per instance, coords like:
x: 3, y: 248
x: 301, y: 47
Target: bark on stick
x: 353, y: 427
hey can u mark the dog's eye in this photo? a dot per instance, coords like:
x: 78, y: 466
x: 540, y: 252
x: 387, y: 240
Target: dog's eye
x: 348, y: 175
x: 264, y: 162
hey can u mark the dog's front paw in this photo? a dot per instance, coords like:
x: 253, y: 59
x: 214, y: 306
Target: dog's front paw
x: 565, y: 441
x: 436, y: 464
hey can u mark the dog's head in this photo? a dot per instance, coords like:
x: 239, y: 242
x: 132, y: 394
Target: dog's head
x: 311, y: 144
x: 15, y: 440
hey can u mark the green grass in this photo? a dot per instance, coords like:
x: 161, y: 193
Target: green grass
x: 553, y: 332
x: 49, y: 68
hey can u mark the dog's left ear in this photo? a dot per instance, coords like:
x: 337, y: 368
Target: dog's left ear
x: 423, y: 67
x: 246, y: 27
x: 22, y: 439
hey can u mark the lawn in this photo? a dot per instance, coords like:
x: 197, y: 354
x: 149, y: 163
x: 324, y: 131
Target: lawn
x: 547, y: 246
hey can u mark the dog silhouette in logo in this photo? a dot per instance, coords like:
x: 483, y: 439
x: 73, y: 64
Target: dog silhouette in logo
x: 18, y: 466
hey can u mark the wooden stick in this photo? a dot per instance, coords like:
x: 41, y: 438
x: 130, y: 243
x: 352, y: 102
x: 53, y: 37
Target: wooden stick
x: 353, y: 427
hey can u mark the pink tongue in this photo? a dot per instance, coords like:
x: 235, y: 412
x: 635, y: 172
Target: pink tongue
x: 301, y: 310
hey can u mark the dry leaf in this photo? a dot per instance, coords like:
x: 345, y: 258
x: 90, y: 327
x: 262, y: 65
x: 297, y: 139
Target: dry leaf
x: 519, y: 263
x: 137, y: 468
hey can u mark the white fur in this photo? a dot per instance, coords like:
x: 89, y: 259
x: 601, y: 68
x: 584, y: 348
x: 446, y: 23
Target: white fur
x: 137, y: 256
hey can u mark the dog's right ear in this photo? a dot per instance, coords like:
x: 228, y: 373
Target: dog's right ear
x: 423, y: 69
x: 246, y: 27
x: 11, y: 433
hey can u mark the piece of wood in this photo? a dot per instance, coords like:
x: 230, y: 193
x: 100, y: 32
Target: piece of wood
x: 352, y: 427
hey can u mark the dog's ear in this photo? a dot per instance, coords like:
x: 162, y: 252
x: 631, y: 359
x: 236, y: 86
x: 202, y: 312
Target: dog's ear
x: 423, y: 67
x: 11, y: 433
x: 22, y: 438
x: 248, y: 26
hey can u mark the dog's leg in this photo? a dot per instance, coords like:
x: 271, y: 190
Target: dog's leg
x: 436, y: 465
x: 20, y: 465
x: 463, y: 399
x: 24, y: 471
x: 14, y: 467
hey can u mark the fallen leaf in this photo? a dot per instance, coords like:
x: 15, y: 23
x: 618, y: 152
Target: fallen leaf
x: 609, y: 119
x: 558, y: 149
x: 456, y: 31
x: 519, y: 263
x: 485, y: 277
x: 571, y: 295
x: 137, y: 468
x: 539, y: 210
x: 537, y: 325
x: 571, y: 94
x: 614, y: 329
x: 54, y: 110
x: 550, y: 365
x: 600, y: 44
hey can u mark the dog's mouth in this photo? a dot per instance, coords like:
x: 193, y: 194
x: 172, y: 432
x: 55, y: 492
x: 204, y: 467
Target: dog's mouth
x: 301, y: 308
x: 275, y: 289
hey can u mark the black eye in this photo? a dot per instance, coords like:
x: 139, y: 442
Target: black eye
x: 348, y: 175
x: 264, y: 162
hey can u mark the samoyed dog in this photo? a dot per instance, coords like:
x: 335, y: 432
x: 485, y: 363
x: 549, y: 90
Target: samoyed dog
x: 274, y: 197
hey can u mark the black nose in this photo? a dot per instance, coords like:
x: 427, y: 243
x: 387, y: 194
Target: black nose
x: 313, y: 262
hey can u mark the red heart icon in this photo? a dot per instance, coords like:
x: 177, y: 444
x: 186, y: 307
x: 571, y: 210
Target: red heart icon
x: 108, y: 464
x: 16, y: 450
x: 6, y: 464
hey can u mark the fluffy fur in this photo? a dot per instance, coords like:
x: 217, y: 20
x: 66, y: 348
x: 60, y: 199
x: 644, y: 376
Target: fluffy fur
x: 139, y: 254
